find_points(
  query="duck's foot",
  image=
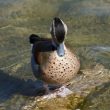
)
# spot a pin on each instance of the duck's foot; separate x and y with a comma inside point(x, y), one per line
point(60, 92)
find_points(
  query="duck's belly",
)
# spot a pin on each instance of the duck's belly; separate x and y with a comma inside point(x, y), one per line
point(59, 70)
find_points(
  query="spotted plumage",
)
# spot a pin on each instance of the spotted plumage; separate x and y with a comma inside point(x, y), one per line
point(51, 60)
point(59, 70)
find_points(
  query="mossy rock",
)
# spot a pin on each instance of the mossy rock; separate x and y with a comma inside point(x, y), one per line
point(90, 81)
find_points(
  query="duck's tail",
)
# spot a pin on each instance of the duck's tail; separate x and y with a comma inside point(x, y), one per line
point(35, 38)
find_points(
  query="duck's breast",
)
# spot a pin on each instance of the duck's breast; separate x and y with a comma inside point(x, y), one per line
point(60, 69)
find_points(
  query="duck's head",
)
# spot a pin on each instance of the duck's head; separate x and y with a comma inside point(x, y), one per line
point(58, 32)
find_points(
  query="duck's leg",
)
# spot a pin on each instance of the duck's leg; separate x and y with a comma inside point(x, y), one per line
point(45, 85)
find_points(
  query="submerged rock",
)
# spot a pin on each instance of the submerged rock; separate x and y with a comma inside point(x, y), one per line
point(87, 81)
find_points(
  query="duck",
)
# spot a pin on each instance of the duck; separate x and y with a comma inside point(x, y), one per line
point(51, 61)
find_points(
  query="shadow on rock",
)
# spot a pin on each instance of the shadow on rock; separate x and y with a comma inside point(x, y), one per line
point(10, 85)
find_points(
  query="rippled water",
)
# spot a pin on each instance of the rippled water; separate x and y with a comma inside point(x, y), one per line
point(88, 35)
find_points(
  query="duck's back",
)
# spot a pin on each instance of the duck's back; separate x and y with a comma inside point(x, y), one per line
point(60, 70)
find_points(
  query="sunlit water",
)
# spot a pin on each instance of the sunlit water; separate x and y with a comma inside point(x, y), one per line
point(88, 36)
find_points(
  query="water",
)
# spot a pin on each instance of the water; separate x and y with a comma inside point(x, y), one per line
point(88, 36)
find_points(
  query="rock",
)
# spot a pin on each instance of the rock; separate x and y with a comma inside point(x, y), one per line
point(82, 85)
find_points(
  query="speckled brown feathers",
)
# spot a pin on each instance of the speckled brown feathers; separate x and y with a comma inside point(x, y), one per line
point(59, 70)
point(56, 63)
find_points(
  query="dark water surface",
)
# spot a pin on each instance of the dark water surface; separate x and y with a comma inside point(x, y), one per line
point(88, 36)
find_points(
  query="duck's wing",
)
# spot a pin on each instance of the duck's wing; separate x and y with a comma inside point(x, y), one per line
point(35, 38)
point(41, 47)
point(41, 44)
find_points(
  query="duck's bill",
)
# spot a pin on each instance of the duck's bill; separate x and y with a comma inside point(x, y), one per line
point(60, 50)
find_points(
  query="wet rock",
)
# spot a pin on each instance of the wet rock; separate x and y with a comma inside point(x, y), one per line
point(82, 86)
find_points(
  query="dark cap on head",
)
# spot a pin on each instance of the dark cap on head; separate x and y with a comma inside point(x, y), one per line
point(58, 30)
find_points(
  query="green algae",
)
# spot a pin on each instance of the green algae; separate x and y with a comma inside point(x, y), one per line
point(67, 103)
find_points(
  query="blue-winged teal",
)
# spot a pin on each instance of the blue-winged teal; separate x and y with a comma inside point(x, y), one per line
point(51, 60)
